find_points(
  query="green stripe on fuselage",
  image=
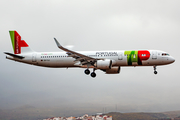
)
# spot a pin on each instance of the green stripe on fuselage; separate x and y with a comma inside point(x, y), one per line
point(12, 38)
point(132, 56)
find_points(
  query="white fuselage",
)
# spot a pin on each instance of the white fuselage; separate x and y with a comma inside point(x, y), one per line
point(119, 58)
point(108, 61)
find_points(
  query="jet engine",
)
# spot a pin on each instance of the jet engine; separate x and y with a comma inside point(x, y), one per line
point(113, 70)
point(104, 64)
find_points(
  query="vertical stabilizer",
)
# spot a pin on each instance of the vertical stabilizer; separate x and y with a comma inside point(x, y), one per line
point(19, 46)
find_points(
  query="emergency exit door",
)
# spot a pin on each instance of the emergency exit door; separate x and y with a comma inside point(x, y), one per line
point(120, 56)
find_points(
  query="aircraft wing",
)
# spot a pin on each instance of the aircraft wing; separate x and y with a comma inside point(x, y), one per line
point(84, 59)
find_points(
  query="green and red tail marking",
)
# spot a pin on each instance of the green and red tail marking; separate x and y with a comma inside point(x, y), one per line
point(17, 43)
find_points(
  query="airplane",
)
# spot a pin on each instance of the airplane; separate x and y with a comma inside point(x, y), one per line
point(109, 62)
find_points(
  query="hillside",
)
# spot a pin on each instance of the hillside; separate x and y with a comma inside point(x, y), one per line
point(136, 116)
point(172, 114)
point(32, 113)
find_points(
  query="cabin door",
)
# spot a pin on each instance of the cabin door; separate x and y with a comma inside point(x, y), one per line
point(34, 57)
point(154, 54)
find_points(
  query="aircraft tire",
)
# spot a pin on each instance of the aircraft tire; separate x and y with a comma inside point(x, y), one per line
point(87, 72)
point(155, 72)
point(93, 74)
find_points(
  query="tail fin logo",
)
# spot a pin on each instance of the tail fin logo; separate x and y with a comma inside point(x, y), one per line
point(17, 43)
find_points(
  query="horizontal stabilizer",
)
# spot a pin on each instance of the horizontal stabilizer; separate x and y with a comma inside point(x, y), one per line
point(14, 55)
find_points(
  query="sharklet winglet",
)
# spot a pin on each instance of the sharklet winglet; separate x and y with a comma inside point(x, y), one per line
point(57, 43)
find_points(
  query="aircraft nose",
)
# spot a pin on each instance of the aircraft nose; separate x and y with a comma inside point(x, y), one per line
point(172, 60)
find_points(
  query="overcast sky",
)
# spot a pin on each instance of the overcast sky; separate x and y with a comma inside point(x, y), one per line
point(91, 25)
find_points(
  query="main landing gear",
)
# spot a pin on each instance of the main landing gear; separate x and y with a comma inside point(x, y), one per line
point(87, 72)
point(155, 72)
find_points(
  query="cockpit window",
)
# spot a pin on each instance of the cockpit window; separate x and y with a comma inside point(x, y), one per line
point(165, 54)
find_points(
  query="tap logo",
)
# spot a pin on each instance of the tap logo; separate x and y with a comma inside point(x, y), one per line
point(137, 56)
point(17, 43)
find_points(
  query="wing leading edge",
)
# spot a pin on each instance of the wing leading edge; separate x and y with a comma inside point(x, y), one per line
point(84, 59)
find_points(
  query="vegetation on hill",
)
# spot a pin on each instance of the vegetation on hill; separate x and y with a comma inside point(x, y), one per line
point(172, 114)
point(136, 116)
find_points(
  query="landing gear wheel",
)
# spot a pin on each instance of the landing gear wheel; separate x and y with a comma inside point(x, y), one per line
point(155, 72)
point(93, 74)
point(87, 72)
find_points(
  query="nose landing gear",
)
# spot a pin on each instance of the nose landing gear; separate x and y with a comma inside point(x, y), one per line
point(155, 72)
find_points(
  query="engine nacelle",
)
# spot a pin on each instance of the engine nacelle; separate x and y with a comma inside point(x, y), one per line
point(113, 70)
point(104, 64)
